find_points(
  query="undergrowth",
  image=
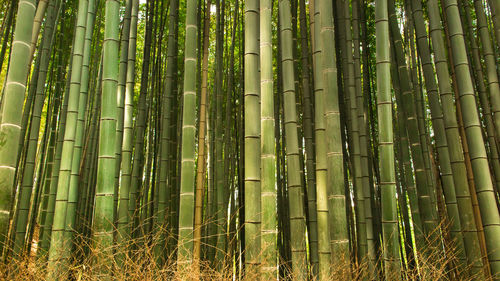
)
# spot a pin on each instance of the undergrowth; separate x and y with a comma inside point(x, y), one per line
point(136, 261)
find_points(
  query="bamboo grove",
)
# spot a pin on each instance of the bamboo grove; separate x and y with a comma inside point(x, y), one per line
point(256, 139)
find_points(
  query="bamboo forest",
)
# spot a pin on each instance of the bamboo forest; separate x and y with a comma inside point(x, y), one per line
point(250, 140)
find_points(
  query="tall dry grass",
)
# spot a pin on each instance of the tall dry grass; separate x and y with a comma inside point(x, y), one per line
point(140, 264)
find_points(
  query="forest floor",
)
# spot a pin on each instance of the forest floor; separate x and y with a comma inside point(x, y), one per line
point(142, 266)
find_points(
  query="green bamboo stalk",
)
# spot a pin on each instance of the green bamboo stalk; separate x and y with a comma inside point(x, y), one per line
point(12, 101)
point(49, 164)
point(123, 218)
point(312, 221)
point(171, 92)
point(252, 147)
point(40, 174)
point(490, 63)
point(339, 241)
point(363, 142)
point(385, 144)
point(268, 157)
point(424, 192)
point(187, 180)
point(220, 191)
point(482, 176)
point(32, 145)
point(355, 149)
point(371, 138)
point(37, 25)
point(481, 89)
point(165, 185)
point(495, 14)
point(140, 127)
point(283, 222)
point(105, 187)
point(74, 183)
point(322, 190)
point(94, 132)
point(25, 121)
point(229, 150)
point(122, 81)
point(457, 151)
point(448, 161)
point(58, 252)
point(7, 24)
point(407, 177)
point(49, 218)
point(201, 167)
point(211, 203)
point(416, 81)
point(295, 188)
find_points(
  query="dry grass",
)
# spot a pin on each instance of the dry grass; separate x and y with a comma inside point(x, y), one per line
point(140, 264)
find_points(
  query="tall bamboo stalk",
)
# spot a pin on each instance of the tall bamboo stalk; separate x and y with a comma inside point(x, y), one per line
point(482, 176)
point(252, 138)
point(29, 166)
point(12, 101)
point(124, 220)
point(103, 224)
point(268, 157)
point(187, 180)
point(385, 138)
point(309, 140)
point(200, 168)
point(58, 253)
point(322, 190)
point(295, 188)
point(447, 156)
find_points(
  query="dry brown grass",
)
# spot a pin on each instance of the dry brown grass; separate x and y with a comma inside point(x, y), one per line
point(140, 264)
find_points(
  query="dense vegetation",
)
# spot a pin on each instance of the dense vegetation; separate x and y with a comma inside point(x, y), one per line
point(256, 139)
